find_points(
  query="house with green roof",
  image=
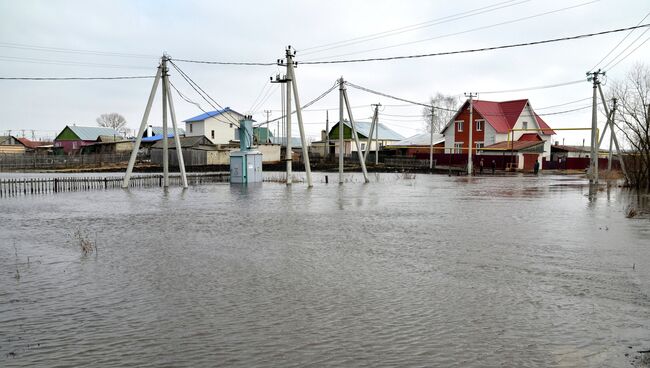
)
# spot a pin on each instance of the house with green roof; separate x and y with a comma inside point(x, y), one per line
point(73, 137)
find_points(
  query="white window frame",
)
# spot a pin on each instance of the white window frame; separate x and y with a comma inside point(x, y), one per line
point(459, 125)
point(458, 147)
point(478, 146)
point(479, 125)
point(524, 125)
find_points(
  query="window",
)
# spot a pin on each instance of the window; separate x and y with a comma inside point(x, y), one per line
point(231, 125)
point(459, 126)
point(363, 146)
point(458, 147)
point(524, 125)
point(479, 125)
point(190, 127)
point(212, 134)
point(479, 145)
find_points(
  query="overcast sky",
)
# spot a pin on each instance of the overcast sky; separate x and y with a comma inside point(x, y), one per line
point(39, 39)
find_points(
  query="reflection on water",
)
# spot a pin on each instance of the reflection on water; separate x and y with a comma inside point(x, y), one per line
point(435, 271)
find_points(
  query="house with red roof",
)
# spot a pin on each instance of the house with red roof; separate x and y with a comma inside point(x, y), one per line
point(501, 128)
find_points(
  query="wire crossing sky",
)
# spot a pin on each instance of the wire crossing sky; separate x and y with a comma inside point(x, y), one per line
point(69, 61)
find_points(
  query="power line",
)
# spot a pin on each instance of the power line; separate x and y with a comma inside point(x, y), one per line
point(16, 59)
point(537, 87)
point(322, 95)
point(413, 27)
point(630, 53)
point(74, 78)
point(416, 56)
point(563, 104)
point(618, 44)
point(393, 97)
point(203, 94)
point(225, 62)
point(625, 49)
point(22, 46)
point(467, 31)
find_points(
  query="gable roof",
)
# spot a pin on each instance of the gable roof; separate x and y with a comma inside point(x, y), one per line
point(158, 130)
point(89, 133)
point(31, 144)
point(363, 128)
point(422, 139)
point(502, 116)
point(192, 141)
point(211, 114)
point(513, 146)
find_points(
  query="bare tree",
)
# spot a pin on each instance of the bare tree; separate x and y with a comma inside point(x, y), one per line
point(633, 119)
point(445, 108)
point(112, 120)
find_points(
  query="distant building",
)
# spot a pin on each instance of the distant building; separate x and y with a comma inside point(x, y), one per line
point(418, 144)
point(493, 123)
point(12, 145)
point(152, 131)
point(219, 126)
point(73, 137)
point(385, 136)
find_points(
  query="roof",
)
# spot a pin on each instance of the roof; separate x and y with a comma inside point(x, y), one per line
point(571, 148)
point(158, 130)
point(211, 114)
point(423, 139)
point(158, 137)
point(530, 137)
point(503, 116)
point(513, 146)
point(90, 133)
point(31, 144)
point(384, 134)
point(8, 140)
point(192, 141)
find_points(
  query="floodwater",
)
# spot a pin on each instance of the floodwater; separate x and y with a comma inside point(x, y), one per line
point(432, 271)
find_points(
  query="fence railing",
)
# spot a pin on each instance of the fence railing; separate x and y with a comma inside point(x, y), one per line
point(30, 186)
point(18, 162)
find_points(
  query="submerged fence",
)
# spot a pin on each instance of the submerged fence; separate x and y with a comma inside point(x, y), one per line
point(30, 161)
point(29, 186)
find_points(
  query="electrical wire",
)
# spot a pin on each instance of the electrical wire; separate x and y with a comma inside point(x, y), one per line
point(254, 104)
point(618, 44)
point(630, 53)
point(225, 62)
point(413, 27)
point(75, 78)
point(625, 49)
point(203, 94)
point(564, 104)
point(15, 59)
point(465, 31)
point(467, 51)
point(534, 88)
point(22, 46)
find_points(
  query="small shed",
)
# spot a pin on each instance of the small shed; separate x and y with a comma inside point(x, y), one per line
point(11, 145)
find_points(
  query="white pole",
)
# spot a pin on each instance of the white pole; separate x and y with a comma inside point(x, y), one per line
point(177, 139)
point(431, 142)
point(613, 132)
point(327, 134)
point(288, 155)
point(377, 141)
point(143, 125)
point(470, 164)
point(372, 131)
point(164, 121)
point(305, 149)
point(356, 137)
point(341, 130)
point(594, 136)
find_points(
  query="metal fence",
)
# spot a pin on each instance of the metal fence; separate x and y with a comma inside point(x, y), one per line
point(29, 186)
point(17, 162)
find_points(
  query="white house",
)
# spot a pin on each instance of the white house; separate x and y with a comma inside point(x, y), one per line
point(219, 126)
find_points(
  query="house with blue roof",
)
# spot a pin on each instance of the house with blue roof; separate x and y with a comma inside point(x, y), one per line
point(385, 137)
point(73, 137)
point(219, 126)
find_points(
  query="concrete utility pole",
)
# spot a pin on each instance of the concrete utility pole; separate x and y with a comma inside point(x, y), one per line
point(341, 129)
point(355, 136)
point(162, 73)
point(431, 142)
point(327, 133)
point(268, 128)
point(373, 126)
point(377, 140)
point(470, 164)
point(593, 159)
point(610, 123)
point(291, 76)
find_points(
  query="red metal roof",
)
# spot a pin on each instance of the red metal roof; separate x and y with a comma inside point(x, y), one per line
point(502, 116)
point(530, 137)
point(32, 144)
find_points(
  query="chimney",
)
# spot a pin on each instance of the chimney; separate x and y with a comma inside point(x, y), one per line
point(323, 135)
point(149, 131)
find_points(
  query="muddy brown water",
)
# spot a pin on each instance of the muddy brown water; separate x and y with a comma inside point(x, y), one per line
point(433, 271)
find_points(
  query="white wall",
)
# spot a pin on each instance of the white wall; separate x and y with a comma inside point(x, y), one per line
point(223, 126)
